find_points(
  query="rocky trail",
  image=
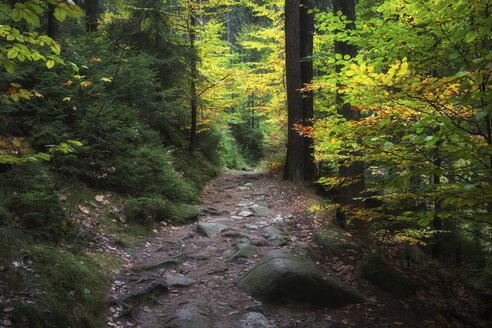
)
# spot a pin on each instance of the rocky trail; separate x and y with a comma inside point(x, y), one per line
point(249, 261)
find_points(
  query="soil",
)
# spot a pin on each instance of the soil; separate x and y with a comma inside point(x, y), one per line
point(181, 251)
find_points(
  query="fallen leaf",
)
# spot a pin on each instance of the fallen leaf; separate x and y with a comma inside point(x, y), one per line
point(8, 309)
point(122, 217)
point(84, 209)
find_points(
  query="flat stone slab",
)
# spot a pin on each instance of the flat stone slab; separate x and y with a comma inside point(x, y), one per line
point(176, 281)
point(199, 256)
point(245, 213)
point(210, 229)
point(260, 210)
point(280, 276)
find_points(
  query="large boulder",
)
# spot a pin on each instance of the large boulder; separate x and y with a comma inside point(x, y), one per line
point(210, 229)
point(378, 273)
point(189, 316)
point(334, 240)
point(281, 276)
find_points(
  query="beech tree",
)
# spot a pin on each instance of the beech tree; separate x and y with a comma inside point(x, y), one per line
point(299, 29)
point(351, 170)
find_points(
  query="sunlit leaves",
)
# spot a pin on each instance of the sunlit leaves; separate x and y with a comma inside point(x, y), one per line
point(423, 105)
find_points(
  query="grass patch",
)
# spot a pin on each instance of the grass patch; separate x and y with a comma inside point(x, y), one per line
point(50, 287)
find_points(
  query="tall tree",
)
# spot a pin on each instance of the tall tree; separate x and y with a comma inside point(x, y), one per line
point(193, 75)
point(352, 171)
point(299, 29)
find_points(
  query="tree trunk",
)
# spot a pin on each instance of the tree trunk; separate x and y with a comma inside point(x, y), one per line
point(52, 23)
point(91, 8)
point(299, 29)
point(193, 77)
point(355, 170)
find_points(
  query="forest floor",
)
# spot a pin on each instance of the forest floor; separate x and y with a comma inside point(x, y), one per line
point(179, 266)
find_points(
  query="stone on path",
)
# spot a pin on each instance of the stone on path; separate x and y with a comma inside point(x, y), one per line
point(199, 256)
point(274, 237)
point(255, 320)
point(210, 229)
point(177, 281)
point(334, 240)
point(203, 242)
point(209, 210)
point(245, 213)
point(260, 210)
point(189, 316)
point(250, 186)
point(281, 276)
point(378, 273)
point(244, 251)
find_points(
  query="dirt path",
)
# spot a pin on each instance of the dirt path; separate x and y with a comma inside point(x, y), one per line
point(180, 266)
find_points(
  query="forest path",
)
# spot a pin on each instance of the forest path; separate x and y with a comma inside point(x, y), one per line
point(181, 266)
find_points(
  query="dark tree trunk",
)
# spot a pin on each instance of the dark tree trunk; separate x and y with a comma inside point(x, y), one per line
point(193, 77)
point(299, 29)
point(92, 10)
point(52, 23)
point(355, 170)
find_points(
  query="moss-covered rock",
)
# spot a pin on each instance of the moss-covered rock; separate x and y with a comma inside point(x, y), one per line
point(281, 276)
point(334, 240)
point(378, 273)
point(182, 213)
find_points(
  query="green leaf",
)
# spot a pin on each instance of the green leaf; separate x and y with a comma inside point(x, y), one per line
point(481, 115)
point(12, 53)
point(9, 66)
point(461, 74)
point(60, 14)
point(388, 145)
point(384, 121)
point(50, 63)
point(44, 156)
point(76, 143)
point(16, 14)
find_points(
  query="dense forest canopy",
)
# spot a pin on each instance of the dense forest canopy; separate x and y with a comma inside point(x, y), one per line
point(383, 105)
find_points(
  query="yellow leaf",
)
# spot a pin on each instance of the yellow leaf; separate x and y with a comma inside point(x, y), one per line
point(67, 99)
point(15, 85)
point(50, 63)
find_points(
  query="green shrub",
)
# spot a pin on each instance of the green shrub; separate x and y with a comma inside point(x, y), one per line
point(145, 210)
point(148, 170)
point(29, 201)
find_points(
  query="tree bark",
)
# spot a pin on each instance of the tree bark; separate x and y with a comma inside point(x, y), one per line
point(193, 77)
point(299, 29)
point(52, 23)
point(355, 170)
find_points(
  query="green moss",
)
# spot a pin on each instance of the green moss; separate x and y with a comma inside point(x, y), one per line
point(64, 289)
